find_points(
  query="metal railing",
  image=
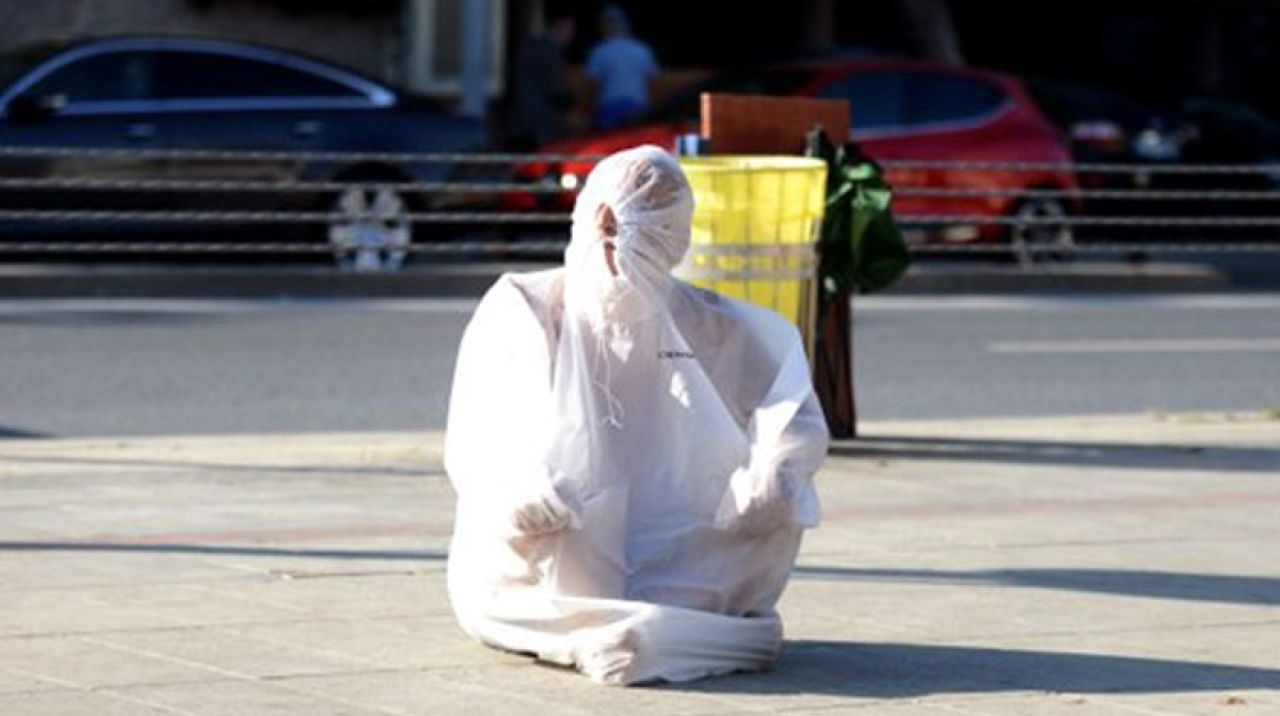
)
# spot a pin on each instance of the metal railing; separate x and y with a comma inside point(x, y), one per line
point(1245, 209)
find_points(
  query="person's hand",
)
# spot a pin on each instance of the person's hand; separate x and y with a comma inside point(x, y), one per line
point(529, 523)
point(753, 505)
point(541, 513)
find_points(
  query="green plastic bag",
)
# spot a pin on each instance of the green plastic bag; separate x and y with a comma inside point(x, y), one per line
point(861, 246)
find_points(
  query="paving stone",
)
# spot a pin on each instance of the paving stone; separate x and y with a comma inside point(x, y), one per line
point(1057, 566)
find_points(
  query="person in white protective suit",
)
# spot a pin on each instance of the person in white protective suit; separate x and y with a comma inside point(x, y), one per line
point(633, 457)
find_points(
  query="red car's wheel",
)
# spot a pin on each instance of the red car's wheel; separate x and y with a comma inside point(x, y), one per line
point(1040, 231)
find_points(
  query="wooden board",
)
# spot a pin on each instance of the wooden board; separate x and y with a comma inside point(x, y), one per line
point(755, 124)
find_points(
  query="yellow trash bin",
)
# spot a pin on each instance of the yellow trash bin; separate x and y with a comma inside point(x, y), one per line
point(755, 229)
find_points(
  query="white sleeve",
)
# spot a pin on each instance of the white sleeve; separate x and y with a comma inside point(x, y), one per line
point(789, 439)
point(499, 419)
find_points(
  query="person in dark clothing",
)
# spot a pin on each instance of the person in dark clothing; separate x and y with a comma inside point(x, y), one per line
point(540, 86)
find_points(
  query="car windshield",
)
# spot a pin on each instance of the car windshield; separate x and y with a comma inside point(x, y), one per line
point(1065, 103)
point(1241, 122)
point(1231, 111)
point(684, 104)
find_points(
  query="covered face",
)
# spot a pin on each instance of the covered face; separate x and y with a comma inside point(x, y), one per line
point(631, 226)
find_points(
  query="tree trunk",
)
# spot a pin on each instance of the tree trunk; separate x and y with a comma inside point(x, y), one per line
point(934, 30)
point(1207, 67)
point(819, 35)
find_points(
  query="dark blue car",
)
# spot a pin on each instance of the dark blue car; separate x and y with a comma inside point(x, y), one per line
point(165, 93)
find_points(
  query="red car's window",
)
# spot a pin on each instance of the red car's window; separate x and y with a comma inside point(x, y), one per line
point(934, 97)
point(908, 99)
point(877, 99)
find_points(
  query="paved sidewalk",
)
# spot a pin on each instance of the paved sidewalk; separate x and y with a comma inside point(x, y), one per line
point(1080, 566)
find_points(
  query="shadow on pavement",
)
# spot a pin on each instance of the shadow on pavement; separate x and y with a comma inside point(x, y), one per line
point(18, 433)
point(1037, 452)
point(255, 469)
point(107, 318)
point(1263, 591)
point(912, 670)
point(1160, 585)
point(409, 555)
point(886, 670)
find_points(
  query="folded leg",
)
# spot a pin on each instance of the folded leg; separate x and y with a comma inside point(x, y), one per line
point(661, 643)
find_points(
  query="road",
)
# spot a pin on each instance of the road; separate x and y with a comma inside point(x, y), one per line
point(129, 367)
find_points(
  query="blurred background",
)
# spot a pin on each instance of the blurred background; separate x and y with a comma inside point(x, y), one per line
point(1074, 151)
point(1033, 126)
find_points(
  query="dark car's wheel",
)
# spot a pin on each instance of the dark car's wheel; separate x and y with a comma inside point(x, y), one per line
point(371, 230)
point(1039, 231)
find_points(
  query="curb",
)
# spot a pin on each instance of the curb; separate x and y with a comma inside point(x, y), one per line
point(471, 280)
point(138, 281)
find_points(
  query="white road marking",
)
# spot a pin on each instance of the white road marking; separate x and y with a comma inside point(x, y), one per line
point(27, 307)
point(1140, 345)
point(1206, 302)
point(421, 305)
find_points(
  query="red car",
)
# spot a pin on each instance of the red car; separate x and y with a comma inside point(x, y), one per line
point(900, 110)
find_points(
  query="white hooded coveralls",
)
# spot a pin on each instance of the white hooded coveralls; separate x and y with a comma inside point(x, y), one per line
point(633, 456)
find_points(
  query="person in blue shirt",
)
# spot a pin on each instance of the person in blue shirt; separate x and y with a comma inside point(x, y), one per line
point(621, 67)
